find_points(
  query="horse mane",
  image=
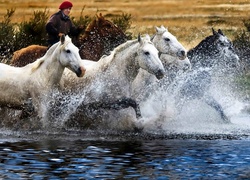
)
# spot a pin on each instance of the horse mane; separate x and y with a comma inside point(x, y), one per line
point(99, 20)
point(202, 47)
point(36, 64)
point(40, 61)
point(207, 41)
point(93, 24)
point(123, 46)
point(118, 49)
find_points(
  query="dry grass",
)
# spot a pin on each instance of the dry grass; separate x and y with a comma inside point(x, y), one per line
point(190, 20)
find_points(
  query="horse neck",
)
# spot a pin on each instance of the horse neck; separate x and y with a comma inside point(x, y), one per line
point(90, 46)
point(155, 39)
point(125, 59)
point(53, 68)
point(204, 51)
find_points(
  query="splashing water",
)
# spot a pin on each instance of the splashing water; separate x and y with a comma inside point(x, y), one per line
point(197, 117)
point(160, 111)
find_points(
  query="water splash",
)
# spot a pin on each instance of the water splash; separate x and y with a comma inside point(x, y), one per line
point(196, 117)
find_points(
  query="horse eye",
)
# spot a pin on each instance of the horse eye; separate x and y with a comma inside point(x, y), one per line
point(222, 44)
point(67, 51)
point(146, 53)
point(167, 39)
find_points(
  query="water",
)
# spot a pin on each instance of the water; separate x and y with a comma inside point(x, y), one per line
point(127, 158)
point(194, 144)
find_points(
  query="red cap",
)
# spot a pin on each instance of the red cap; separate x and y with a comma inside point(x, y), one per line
point(65, 5)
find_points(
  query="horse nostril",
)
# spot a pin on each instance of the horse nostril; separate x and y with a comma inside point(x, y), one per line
point(80, 72)
point(160, 74)
point(183, 53)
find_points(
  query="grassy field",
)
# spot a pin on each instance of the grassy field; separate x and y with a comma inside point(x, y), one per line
point(189, 20)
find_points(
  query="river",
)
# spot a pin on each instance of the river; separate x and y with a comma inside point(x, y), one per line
point(187, 150)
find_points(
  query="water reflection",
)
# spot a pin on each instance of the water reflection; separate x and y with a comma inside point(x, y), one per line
point(101, 159)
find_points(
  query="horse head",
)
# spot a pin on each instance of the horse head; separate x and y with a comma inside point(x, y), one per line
point(167, 43)
point(226, 49)
point(148, 59)
point(215, 50)
point(69, 56)
point(110, 34)
point(108, 29)
point(101, 34)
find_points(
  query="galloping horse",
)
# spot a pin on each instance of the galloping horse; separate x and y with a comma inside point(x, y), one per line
point(111, 77)
point(170, 49)
point(212, 57)
point(215, 51)
point(23, 86)
point(99, 38)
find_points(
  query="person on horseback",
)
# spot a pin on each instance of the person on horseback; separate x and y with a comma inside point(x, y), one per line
point(60, 24)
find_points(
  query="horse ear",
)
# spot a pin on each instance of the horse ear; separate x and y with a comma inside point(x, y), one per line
point(214, 32)
point(139, 38)
point(162, 27)
point(157, 29)
point(220, 32)
point(97, 20)
point(62, 39)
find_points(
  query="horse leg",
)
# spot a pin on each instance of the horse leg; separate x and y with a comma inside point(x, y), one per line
point(214, 104)
point(125, 103)
point(117, 105)
point(28, 109)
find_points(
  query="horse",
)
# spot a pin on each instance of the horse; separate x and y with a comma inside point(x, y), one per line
point(99, 38)
point(21, 87)
point(213, 58)
point(214, 52)
point(172, 54)
point(110, 79)
point(27, 55)
point(167, 43)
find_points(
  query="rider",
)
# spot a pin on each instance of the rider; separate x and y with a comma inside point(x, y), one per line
point(60, 24)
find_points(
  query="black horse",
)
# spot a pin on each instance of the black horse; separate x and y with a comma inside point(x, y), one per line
point(213, 57)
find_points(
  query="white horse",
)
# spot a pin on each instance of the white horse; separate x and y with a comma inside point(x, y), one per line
point(149, 92)
point(167, 43)
point(110, 78)
point(29, 85)
point(173, 56)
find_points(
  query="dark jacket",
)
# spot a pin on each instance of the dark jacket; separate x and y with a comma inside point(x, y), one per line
point(60, 23)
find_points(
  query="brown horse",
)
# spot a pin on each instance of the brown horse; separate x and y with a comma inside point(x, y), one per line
point(100, 37)
point(27, 55)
